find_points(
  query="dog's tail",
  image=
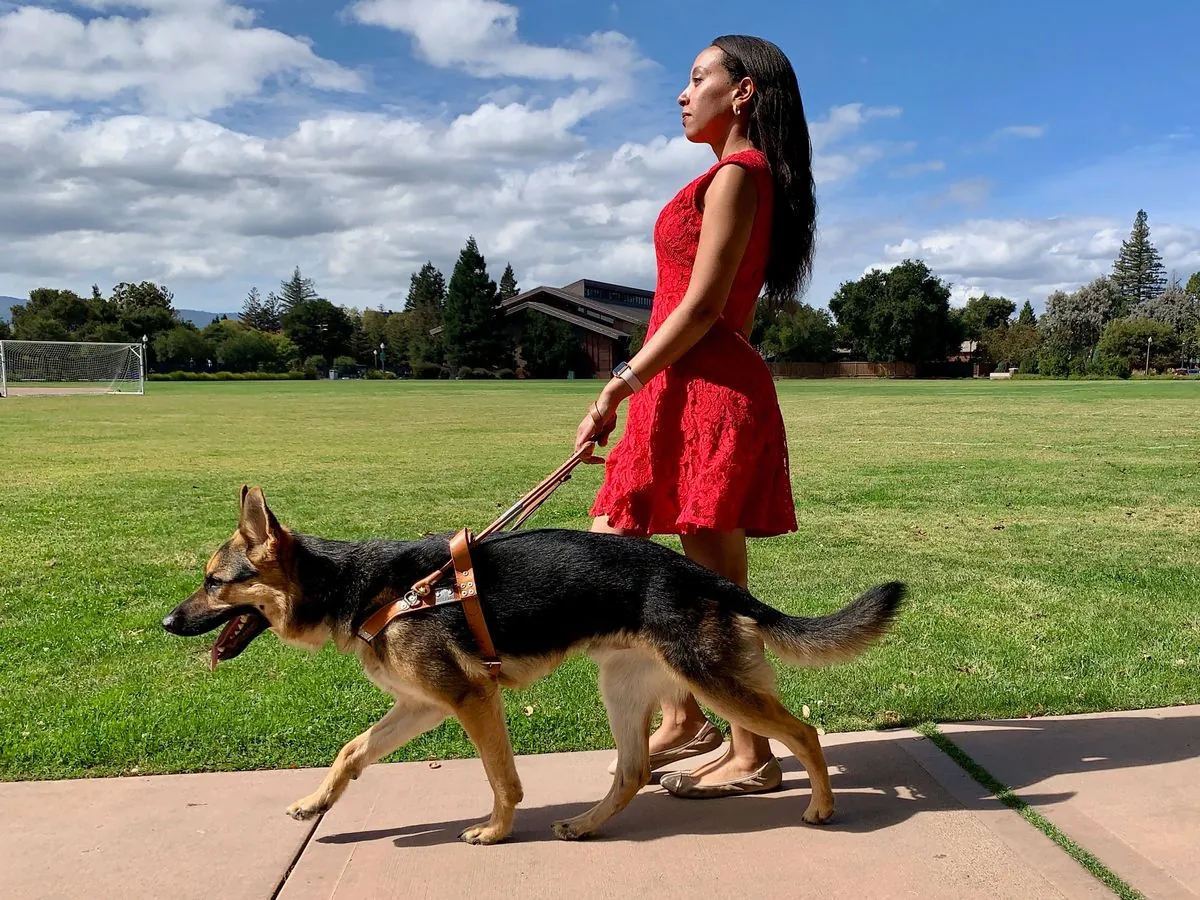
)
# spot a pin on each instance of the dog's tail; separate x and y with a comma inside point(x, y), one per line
point(834, 638)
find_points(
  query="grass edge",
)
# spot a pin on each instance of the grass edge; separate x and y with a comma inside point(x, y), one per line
point(1005, 795)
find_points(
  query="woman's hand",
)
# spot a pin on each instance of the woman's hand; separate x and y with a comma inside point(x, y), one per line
point(601, 419)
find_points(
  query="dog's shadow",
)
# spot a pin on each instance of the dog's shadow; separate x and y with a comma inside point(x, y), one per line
point(875, 788)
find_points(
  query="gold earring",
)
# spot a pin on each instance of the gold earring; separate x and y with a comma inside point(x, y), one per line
point(736, 111)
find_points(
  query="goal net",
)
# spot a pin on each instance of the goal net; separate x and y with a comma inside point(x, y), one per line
point(70, 367)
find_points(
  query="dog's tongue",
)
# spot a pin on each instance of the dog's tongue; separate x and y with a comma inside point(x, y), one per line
point(215, 655)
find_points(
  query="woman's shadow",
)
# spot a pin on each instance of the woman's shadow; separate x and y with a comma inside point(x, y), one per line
point(877, 783)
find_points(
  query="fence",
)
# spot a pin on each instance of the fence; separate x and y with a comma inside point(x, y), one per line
point(877, 370)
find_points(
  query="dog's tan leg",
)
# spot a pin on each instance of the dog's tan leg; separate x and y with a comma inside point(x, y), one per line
point(749, 699)
point(631, 683)
point(404, 721)
point(482, 718)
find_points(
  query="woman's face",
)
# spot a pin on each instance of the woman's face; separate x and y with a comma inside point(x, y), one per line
point(708, 100)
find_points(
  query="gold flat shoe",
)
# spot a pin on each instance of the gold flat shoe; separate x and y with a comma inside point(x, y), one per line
point(767, 778)
point(709, 737)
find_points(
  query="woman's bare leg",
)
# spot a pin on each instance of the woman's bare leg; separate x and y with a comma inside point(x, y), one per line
point(681, 721)
point(724, 552)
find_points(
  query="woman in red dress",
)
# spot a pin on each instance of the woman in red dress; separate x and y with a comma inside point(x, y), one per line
point(704, 454)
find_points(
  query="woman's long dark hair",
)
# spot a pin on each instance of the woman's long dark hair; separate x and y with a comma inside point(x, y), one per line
point(778, 128)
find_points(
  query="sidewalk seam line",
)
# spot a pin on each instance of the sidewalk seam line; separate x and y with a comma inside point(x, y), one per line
point(1009, 798)
point(296, 858)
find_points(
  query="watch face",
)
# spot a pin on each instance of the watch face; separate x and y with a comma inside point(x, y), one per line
point(620, 367)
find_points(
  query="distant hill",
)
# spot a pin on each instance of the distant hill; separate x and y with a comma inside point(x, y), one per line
point(198, 317)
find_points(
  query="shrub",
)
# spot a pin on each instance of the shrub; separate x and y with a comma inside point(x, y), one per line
point(426, 370)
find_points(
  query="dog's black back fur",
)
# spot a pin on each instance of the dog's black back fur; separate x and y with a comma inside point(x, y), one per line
point(543, 590)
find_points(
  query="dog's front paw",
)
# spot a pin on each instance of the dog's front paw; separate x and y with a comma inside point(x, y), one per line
point(816, 814)
point(308, 808)
point(567, 830)
point(483, 833)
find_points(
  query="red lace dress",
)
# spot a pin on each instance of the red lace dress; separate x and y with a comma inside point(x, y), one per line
point(704, 443)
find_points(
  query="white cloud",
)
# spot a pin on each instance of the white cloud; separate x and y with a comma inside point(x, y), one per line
point(1022, 131)
point(183, 58)
point(361, 199)
point(1030, 258)
point(480, 36)
point(918, 168)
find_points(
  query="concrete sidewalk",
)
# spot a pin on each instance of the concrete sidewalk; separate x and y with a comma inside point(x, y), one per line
point(909, 823)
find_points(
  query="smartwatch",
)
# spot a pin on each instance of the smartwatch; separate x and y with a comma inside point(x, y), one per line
point(626, 374)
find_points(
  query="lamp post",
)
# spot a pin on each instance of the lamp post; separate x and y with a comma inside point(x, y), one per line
point(382, 354)
point(1149, 341)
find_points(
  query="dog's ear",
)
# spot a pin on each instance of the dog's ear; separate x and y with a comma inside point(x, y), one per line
point(258, 524)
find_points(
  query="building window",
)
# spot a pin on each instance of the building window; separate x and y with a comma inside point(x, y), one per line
point(621, 298)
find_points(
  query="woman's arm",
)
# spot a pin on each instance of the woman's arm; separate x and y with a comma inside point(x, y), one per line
point(729, 205)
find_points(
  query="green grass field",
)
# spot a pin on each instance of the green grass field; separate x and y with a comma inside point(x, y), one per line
point(1047, 530)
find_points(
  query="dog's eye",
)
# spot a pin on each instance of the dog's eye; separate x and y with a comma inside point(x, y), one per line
point(211, 583)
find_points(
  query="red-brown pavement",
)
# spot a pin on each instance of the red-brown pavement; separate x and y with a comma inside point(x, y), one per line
point(909, 823)
point(1124, 785)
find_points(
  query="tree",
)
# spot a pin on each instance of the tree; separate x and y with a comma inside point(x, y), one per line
point(1193, 285)
point(1027, 316)
point(49, 315)
point(144, 296)
point(423, 311)
point(804, 334)
point(984, 313)
point(254, 313)
point(318, 328)
point(1174, 306)
point(5, 331)
point(250, 351)
point(902, 315)
point(295, 290)
point(1138, 270)
point(508, 283)
point(1013, 345)
point(183, 347)
point(144, 309)
point(1073, 323)
point(1127, 340)
point(549, 347)
point(473, 324)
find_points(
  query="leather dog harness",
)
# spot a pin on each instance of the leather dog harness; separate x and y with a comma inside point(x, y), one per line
point(422, 595)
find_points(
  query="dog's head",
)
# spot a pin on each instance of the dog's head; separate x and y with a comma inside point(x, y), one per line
point(248, 587)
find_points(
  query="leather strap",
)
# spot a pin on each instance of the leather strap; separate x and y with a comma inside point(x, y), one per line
point(468, 595)
point(421, 596)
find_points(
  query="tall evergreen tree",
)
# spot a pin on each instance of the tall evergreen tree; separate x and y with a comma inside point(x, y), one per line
point(271, 313)
point(251, 314)
point(426, 289)
point(1027, 316)
point(1193, 285)
point(508, 283)
point(473, 323)
point(296, 289)
point(423, 312)
point(1138, 271)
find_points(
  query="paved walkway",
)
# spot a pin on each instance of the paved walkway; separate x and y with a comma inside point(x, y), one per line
point(910, 823)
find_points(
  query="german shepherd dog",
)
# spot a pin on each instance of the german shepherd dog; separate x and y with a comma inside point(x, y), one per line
point(656, 623)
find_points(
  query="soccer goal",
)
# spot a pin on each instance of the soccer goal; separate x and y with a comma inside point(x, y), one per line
point(71, 367)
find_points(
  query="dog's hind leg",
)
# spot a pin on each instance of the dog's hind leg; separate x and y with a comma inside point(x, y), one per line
point(631, 684)
point(745, 693)
point(482, 718)
point(404, 721)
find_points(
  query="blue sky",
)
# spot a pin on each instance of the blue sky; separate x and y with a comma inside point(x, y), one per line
point(213, 146)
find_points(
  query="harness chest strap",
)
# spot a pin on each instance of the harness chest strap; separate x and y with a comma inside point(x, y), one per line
point(422, 596)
